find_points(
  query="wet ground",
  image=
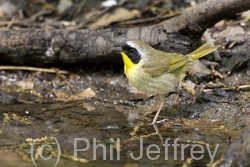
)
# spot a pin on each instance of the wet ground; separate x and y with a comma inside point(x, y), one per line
point(82, 118)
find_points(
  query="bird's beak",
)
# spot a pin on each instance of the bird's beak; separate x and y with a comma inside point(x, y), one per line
point(117, 49)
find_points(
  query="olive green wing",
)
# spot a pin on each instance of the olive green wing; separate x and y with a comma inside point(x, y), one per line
point(163, 63)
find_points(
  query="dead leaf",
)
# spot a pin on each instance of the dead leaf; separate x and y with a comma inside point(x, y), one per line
point(64, 5)
point(119, 14)
point(61, 96)
point(88, 106)
point(230, 32)
point(25, 85)
point(199, 70)
point(87, 93)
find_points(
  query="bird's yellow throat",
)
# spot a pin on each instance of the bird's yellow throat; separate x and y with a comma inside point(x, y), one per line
point(128, 64)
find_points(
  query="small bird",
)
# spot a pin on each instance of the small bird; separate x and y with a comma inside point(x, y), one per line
point(156, 72)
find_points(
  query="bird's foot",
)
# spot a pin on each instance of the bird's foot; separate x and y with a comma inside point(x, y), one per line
point(158, 122)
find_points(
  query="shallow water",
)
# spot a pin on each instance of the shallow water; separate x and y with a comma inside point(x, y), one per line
point(95, 135)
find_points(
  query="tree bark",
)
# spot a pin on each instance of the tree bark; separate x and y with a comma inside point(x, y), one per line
point(47, 47)
point(194, 22)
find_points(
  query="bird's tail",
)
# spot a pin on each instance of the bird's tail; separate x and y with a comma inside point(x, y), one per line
point(202, 51)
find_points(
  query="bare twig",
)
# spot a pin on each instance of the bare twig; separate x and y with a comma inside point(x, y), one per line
point(11, 22)
point(52, 70)
point(41, 13)
point(78, 10)
point(216, 73)
point(242, 87)
point(161, 16)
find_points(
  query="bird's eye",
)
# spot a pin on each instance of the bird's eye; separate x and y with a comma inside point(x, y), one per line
point(132, 50)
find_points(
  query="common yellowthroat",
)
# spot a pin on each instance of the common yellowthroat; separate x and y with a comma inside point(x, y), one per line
point(156, 72)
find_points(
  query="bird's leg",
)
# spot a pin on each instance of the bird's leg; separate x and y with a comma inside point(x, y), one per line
point(162, 100)
point(158, 132)
point(156, 102)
